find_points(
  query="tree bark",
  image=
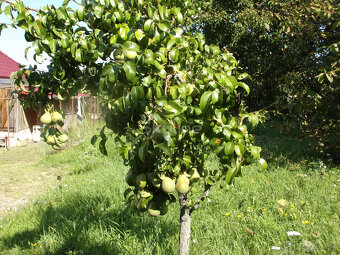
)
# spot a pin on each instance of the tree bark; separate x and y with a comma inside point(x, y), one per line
point(185, 229)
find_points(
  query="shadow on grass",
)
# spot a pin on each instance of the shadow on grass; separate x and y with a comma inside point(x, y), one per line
point(283, 143)
point(91, 225)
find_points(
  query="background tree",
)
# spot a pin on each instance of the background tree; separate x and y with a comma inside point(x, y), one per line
point(290, 48)
point(171, 97)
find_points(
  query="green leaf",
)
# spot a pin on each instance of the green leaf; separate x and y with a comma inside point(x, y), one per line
point(239, 149)
point(230, 175)
point(148, 25)
point(245, 86)
point(142, 151)
point(130, 70)
point(94, 139)
point(131, 46)
point(243, 76)
point(165, 148)
point(179, 18)
point(80, 13)
point(102, 147)
point(162, 73)
point(174, 54)
point(8, 12)
point(134, 94)
point(174, 92)
point(229, 148)
point(164, 26)
point(139, 34)
point(53, 45)
point(205, 100)
point(214, 97)
point(159, 118)
point(79, 55)
point(255, 151)
point(171, 43)
point(162, 11)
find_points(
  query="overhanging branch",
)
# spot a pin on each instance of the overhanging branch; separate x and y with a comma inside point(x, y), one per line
point(201, 199)
point(28, 8)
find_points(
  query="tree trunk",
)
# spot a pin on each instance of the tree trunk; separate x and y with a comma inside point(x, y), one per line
point(185, 220)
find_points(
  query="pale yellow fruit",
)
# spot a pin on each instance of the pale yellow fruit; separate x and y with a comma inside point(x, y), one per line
point(194, 175)
point(156, 182)
point(182, 184)
point(63, 138)
point(56, 117)
point(168, 185)
point(118, 54)
point(56, 147)
point(154, 209)
point(145, 193)
point(46, 118)
point(141, 180)
point(130, 54)
point(50, 140)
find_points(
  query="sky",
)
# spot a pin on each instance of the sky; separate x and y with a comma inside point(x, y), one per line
point(12, 41)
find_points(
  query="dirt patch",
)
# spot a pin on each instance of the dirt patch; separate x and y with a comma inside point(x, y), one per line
point(22, 178)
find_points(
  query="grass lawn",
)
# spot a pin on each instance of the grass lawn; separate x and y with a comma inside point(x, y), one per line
point(86, 214)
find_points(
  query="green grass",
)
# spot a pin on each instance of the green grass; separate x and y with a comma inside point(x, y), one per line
point(86, 212)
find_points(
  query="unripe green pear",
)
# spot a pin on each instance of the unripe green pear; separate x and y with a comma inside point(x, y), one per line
point(50, 140)
point(145, 193)
point(118, 54)
point(141, 180)
point(46, 118)
point(56, 117)
point(156, 182)
point(130, 54)
point(194, 175)
point(154, 209)
point(168, 185)
point(63, 138)
point(56, 147)
point(182, 184)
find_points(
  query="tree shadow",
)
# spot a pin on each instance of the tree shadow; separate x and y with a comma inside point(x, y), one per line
point(283, 143)
point(92, 225)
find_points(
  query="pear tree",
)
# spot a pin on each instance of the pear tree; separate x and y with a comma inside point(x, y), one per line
point(172, 99)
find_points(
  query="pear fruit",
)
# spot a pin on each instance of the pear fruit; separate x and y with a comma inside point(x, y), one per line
point(194, 175)
point(118, 54)
point(156, 182)
point(50, 140)
point(168, 185)
point(154, 209)
point(130, 54)
point(46, 118)
point(56, 147)
point(63, 138)
point(182, 184)
point(145, 193)
point(56, 117)
point(141, 180)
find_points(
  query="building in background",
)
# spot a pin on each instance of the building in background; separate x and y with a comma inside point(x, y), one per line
point(17, 124)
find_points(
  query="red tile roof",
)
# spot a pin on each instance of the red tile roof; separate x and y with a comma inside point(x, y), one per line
point(7, 66)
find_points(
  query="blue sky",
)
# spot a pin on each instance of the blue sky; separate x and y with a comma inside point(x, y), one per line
point(12, 41)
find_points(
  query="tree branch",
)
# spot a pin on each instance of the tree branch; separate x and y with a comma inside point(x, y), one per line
point(77, 2)
point(202, 198)
point(166, 83)
point(28, 8)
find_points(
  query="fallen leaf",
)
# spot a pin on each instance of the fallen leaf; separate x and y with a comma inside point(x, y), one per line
point(250, 231)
